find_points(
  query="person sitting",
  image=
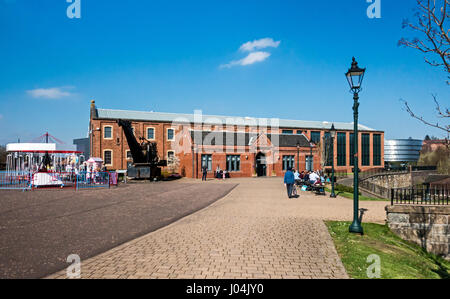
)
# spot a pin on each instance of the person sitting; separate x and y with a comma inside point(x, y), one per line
point(313, 177)
point(302, 175)
point(318, 182)
point(306, 177)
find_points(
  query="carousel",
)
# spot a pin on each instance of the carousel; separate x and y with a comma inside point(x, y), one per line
point(47, 163)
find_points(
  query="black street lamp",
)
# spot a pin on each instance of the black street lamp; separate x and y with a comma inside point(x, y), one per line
point(332, 134)
point(355, 76)
point(298, 159)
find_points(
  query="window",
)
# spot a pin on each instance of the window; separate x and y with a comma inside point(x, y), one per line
point(365, 149)
point(129, 156)
point(288, 132)
point(107, 157)
point(288, 162)
point(150, 133)
point(170, 134)
point(315, 137)
point(341, 149)
point(107, 132)
point(207, 161)
point(233, 163)
point(352, 149)
point(376, 149)
point(329, 149)
point(170, 154)
point(299, 132)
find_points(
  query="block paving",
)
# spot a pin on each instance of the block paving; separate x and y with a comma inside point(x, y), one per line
point(254, 232)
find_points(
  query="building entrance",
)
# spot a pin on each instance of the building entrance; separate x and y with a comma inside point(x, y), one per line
point(261, 166)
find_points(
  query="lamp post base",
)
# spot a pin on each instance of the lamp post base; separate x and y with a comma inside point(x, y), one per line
point(333, 195)
point(356, 228)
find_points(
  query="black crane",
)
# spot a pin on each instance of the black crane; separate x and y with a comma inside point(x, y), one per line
point(146, 163)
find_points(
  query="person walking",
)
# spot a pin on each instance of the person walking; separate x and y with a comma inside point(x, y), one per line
point(289, 182)
point(204, 172)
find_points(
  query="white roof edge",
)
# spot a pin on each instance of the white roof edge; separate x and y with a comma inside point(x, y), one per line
point(283, 123)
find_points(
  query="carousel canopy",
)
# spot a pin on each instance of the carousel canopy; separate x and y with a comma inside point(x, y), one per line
point(40, 148)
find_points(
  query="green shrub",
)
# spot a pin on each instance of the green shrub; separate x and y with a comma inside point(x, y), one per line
point(343, 188)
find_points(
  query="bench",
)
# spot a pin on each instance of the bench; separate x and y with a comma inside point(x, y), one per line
point(319, 190)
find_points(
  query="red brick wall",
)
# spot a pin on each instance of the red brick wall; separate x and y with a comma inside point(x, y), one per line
point(118, 145)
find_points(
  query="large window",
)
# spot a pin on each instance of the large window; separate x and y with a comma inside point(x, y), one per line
point(328, 146)
point(352, 149)
point(150, 133)
point(315, 137)
point(107, 157)
point(288, 162)
point(290, 132)
point(233, 163)
point(365, 149)
point(107, 132)
point(376, 149)
point(341, 149)
point(207, 161)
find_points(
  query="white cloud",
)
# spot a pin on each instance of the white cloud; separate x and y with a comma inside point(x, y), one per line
point(251, 58)
point(49, 93)
point(259, 44)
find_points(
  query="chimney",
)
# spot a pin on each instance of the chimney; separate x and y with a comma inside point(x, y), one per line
point(93, 110)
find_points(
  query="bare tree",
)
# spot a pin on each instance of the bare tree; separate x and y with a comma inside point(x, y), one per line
point(326, 152)
point(432, 24)
point(440, 114)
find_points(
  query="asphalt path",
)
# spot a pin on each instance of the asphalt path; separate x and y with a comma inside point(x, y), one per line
point(40, 229)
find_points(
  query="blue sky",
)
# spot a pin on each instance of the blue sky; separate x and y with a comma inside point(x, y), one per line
point(177, 56)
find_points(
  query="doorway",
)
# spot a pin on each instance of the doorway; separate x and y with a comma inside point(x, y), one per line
point(261, 166)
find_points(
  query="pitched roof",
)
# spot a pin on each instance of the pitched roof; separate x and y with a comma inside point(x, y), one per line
point(223, 120)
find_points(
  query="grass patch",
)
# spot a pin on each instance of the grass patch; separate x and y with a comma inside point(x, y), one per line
point(350, 196)
point(399, 259)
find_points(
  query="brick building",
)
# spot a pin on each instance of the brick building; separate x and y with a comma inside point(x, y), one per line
point(244, 146)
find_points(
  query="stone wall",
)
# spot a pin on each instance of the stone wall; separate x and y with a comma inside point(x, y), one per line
point(391, 180)
point(427, 226)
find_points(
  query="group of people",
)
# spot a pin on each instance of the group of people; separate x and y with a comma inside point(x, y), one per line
point(218, 174)
point(292, 177)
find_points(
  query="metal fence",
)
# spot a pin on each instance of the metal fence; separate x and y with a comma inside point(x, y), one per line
point(26, 180)
point(93, 180)
point(375, 189)
point(421, 196)
point(18, 180)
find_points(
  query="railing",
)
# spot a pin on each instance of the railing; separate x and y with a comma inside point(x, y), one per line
point(375, 189)
point(93, 180)
point(25, 180)
point(421, 196)
point(18, 180)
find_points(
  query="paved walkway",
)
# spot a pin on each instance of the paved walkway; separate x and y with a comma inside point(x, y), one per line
point(253, 232)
